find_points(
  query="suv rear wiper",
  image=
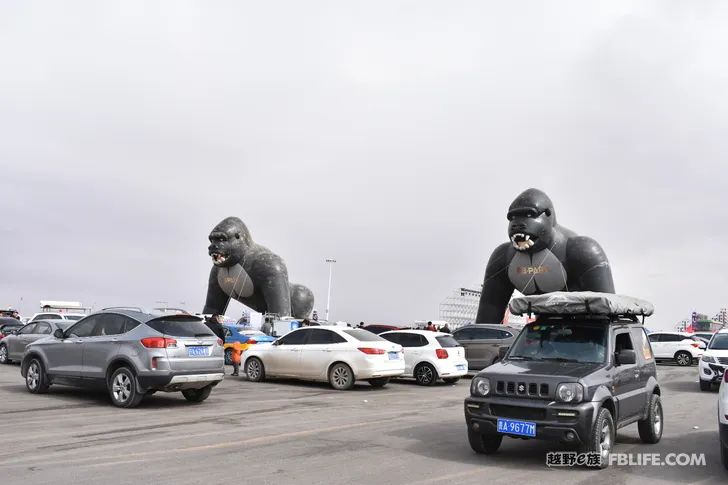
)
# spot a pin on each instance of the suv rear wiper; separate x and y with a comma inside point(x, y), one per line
point(203, 335)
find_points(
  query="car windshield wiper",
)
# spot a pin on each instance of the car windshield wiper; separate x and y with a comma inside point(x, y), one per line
point(560, 359)
point(520, 357)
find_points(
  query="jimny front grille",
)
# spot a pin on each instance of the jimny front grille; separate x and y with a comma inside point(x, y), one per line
point(522, 389)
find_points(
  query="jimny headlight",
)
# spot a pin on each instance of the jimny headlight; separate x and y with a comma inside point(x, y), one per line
point(570, 392)
point(480, 386)
point(708, 359)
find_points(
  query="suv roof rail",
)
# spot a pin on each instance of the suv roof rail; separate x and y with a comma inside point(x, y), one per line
point(132, 308)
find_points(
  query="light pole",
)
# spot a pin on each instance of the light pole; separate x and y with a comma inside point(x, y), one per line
point(330, 262)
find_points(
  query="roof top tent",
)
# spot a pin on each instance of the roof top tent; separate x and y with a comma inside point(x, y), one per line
point(63, 306)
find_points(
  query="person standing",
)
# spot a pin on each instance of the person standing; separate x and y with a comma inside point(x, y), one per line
point(430, 327)
point(445, 328)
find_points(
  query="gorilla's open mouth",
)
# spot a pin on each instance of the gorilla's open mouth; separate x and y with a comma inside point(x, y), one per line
point(218, 258)
point(522, 242)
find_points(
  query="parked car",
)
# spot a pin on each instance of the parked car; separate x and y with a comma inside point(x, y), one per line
point(129, 353)
point(429, 356)
point(73, 317)
point(677, 346)
point(483, 341)
point(12, 346)
point(714, 362)
point(243, 335)
point(582, 370)
point(377, 329)
point(723, 419)
point(338, 355)
point(8, 325)
point(704, 335)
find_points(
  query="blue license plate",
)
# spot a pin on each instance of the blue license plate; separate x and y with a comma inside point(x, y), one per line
point(197, 351)
point(516, 427)
point(393, 355)
point(460, 367)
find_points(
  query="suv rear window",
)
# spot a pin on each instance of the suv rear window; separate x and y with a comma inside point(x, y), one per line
point(363, 335)
point(177, 327)
point(447, 341)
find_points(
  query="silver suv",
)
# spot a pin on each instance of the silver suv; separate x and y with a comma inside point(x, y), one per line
point(131, 354)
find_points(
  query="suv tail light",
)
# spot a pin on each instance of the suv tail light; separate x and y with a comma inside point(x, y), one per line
point(251, 341)
point(220, 341)
point(371, 351)
point(696, 345)
point(725, 378)
point(441, 353)
point(158, 342)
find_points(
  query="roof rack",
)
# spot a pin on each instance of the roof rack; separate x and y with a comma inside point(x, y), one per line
point(582, 303)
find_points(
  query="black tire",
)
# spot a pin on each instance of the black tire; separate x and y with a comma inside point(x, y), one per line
point(425, 374)
point(341, 377)
point(4, 359)
point(255, 369)
point(451, 380)
point(36, 380)
point(197, 395)
point(484, 444)
point(705, 385)
point(683, 358)
point(380, 382)
point(123, 389)
point(724, 454)
point(228, 356)
point(601, 437)
point(650, 428)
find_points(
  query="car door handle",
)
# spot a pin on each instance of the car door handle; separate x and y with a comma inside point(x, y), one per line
point(327, 350)
point(78, 341)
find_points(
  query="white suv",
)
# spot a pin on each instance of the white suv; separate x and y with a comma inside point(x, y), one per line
point(677, 346)
point(723, 419)
point(714, 361)
point(429, 356)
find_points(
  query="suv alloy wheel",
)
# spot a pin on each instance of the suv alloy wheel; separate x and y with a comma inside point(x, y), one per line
point(123, 388)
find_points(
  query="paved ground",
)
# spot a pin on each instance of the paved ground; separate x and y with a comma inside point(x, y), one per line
point(290, 432)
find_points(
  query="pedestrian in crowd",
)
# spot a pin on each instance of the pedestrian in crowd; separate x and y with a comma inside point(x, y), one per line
point(215, 324)
point(16, 315)
point(306, 322)
point(445, 328)
point(236, 356)
point(430, 327)
point(361, 325)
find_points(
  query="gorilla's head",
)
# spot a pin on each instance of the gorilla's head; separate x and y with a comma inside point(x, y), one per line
point(532, 220)
point(229, 242)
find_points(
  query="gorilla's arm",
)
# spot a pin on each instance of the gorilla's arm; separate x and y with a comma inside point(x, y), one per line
point(497, 288)
point(271, 278)
point(217, 300)
point(587, 266)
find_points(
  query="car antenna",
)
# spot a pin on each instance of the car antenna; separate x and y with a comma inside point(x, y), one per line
point(529, 310)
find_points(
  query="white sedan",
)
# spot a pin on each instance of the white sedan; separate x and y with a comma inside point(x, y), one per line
point(338, 355)
point(430, 356)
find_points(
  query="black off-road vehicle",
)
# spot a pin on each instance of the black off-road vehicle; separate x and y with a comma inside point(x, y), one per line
point(582, 370)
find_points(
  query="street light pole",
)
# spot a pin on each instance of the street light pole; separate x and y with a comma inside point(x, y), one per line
point(330, 262)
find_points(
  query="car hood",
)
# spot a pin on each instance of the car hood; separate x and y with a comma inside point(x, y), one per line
point(716, 353)
point(541, 368)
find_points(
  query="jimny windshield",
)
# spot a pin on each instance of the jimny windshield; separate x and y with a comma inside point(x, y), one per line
point(563, 341)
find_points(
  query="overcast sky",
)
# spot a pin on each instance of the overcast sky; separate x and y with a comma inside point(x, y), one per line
point(389, 135)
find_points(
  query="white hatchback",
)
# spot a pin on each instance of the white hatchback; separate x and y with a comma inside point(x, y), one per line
point(714, 361)
point(339, 355)
point(429, 356)
point(677, 346)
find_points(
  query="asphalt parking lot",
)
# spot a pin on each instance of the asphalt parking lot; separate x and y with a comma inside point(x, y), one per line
point(284, 432)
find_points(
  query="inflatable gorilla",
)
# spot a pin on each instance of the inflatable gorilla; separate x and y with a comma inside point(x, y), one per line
point(541, 257)
point(252, 274)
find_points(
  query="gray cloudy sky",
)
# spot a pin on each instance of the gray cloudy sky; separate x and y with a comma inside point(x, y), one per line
point(390, 135)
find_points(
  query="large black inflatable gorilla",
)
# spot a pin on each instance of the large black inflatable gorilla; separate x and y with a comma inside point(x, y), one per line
point(541, 257)
point(252, 274)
